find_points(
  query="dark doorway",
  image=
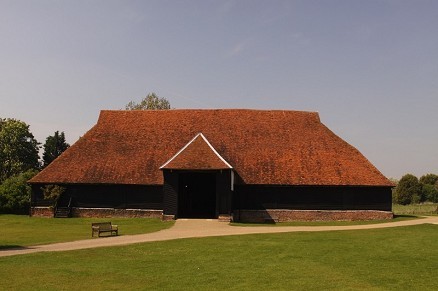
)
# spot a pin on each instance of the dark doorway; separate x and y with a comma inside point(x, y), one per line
point(197, 195)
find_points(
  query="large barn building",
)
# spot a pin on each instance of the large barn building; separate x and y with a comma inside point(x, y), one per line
point(246, 165)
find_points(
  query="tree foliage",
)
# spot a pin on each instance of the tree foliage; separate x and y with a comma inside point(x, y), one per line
point(150, 102)
point(54, 146)
point(15, 193)
point(430, 192)
point(52, 192)
point(430, 179)
point(18, 148)
point(429, 183)
point(408, 190)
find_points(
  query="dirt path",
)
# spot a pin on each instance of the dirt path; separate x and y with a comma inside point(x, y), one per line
point(198, 228)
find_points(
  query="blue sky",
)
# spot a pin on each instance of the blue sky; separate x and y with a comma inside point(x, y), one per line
point(370, 68)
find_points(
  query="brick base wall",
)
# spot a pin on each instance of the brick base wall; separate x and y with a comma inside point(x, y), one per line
point(283, 215)
point(269, 215)
point(225, 218)
point(166, 217)
point(100, 212)
point(112, 212)
point(41, 211)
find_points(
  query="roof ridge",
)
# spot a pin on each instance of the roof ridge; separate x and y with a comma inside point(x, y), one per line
point(211, 109)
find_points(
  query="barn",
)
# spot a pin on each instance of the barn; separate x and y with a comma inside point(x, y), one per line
point(226, 164)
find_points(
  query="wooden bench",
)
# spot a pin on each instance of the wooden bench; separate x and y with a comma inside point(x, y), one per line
point(101, 227)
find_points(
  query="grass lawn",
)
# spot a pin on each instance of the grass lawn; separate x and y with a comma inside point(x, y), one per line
point(22, 230)
point(329, 223)
point(402, 258)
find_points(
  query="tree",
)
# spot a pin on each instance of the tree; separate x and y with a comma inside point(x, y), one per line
point(15, 193)
point(429, 179)
point(430, 192)
point(55, 145)
point(53, 193)
point(429, 183)
point(18, 148)
point(408, 190)
point(151, 101)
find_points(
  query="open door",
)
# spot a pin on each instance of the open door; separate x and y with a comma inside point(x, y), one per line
point(197, 195)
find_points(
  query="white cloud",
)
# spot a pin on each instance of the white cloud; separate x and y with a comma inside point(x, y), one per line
point(237, 49)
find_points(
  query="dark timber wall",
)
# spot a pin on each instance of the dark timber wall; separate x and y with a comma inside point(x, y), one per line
point(223, 192)
point(312, 198)
point(105, 196)
point(170, 195)
point(244, 197)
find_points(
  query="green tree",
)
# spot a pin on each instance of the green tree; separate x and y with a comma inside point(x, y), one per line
point(53, 193)
point(150, 102)
point(55, 145)
point(15, 193)
point(18, 148)
point(429, 183)
point(394, 197)
point(430, 179)
point(430, 192)
point(408, 190)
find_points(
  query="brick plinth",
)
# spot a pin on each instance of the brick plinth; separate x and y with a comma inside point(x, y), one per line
point(166, 217)
point(41, 211)
point(225, 218)
point(112, 212)
point(283, 215)
point(99, 212)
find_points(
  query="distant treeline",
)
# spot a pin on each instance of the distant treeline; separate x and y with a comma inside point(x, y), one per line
point(411, 190)
point(20, 161)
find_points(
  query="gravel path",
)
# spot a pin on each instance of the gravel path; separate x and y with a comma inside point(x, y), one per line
point(198, 228)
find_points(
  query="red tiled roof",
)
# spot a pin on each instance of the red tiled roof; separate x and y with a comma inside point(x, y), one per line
point(198, 154)
point(262, 146)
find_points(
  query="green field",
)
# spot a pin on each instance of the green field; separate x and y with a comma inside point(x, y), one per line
point(402, 258)
point(416, 209)
point(21, 230)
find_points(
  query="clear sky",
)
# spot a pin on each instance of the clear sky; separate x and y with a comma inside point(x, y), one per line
point(370, 68)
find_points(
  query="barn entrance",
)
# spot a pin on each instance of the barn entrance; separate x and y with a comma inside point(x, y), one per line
point(197, 195)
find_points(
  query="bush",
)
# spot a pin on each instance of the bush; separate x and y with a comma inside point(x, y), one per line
point(408, 190)
point(15, 193)
point(430, 193)
point(53, 193)
point(430, 179)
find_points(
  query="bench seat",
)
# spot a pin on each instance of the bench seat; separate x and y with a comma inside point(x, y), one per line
point(104, 227)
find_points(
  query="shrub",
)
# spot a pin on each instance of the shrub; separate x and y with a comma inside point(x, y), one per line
point(15, 193)
point(52, 193)
point(430, 192)
point(408, 190)
point(429, 179)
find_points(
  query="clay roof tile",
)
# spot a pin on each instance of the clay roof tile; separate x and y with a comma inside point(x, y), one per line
point(263, 146)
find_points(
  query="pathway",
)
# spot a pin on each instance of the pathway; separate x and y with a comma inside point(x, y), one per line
point(198, 228)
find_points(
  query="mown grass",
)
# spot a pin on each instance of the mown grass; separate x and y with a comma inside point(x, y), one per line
point(22, 230)
point(416, 209)
point(328, 223)
point(402, 258)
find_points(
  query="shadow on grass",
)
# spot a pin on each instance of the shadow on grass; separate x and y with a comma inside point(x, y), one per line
point(11, 247)
point(407, 216)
